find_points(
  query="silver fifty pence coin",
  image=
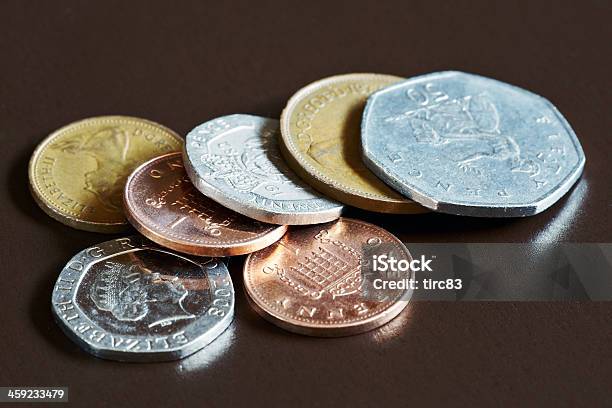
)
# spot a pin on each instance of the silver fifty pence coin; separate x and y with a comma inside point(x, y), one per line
point(236, 161)
point(131, 300)
point(468, 145)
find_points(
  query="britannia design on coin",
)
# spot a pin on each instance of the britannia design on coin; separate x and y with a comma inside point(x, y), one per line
point(235, 160)
point(130, 300)
point(321, 142)
point(470, 145)
point(77, 174)
point(163, 205)
point(319, 280)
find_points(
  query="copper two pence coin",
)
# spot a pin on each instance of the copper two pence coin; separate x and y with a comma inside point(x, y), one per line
point(162, 204)
point(320, 280)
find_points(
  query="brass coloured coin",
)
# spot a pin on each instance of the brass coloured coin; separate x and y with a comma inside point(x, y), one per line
point(77, 173)
point(321, 142)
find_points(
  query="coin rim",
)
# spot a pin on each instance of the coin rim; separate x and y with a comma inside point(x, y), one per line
point(335, 330)
point(68, 219)
point(179, 245)
point(142, 356)
point(257, 213)
point(466, 208)
point(323, 183)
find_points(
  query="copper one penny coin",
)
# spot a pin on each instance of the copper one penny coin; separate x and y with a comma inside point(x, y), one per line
point(162, 204)
point(316, 280)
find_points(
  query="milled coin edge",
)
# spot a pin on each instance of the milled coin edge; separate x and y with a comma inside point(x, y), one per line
point(467, 208)
point(171, 354)
point(69, 219)
point(323, 183)
point(247, 209)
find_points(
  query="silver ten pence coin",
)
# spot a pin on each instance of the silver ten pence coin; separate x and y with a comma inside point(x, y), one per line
point(130, 300)
point(468, 145)
point(235, 160)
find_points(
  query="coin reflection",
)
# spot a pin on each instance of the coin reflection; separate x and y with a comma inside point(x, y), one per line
point(557, 228)
point(395, 328)
point(209, 354)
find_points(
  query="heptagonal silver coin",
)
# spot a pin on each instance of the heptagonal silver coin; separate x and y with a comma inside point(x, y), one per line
point(468, 145)
point(130, 300)
point(235, 160)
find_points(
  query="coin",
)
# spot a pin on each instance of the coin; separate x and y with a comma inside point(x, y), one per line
point(235, 160)
point(321, 142)
point(129, 300)
point(77, 173)
point(316, 280)
point(162, 204)
point(468, 145)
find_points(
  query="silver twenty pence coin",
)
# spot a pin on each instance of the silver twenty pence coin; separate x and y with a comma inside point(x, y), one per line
point(468, 145)
point(235, 160)
point(130, 300)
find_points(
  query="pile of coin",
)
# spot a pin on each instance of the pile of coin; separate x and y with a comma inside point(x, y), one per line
point(241, 184)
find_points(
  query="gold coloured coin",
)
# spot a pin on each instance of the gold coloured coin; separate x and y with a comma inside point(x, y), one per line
point(321, 141)
point(77, 174)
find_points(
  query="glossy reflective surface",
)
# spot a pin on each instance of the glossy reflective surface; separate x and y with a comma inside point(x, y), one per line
point(163, 205)
point(85, 58)
point(130, 300)
point(469, 145)
point(77, 173)
point(236, 161)
point(320, 141)
point(317, 280)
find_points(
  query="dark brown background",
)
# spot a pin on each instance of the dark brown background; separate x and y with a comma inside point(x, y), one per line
point(182, 64)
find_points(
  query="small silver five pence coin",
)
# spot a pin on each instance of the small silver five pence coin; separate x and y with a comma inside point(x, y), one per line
point(130, 300)
point(235, 160)
point(468, 145)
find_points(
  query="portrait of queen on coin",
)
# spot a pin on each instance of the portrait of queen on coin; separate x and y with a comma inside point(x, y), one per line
point(131, 293)
point(130, 300)
point(78, 172)
point(109, 148)
point(141, 291)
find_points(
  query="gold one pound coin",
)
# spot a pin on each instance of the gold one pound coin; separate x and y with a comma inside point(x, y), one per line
point(77, 174)
point(321, 141)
